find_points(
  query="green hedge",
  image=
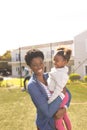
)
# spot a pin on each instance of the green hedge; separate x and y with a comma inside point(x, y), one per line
point(74, 76)
point(85, 78)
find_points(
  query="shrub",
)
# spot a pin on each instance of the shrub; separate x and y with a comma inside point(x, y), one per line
point(1, 79)
point(85, 78)
point(74, 76)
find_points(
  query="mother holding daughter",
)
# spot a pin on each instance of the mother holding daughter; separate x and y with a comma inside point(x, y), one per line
point(47, 113)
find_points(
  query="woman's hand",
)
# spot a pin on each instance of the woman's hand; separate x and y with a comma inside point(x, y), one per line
point(64, 90)
point(60, 113)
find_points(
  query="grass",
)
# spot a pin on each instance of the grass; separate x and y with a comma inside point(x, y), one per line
point(78, 108)
point(78, 91)
point(17, 111)
point(12, 82)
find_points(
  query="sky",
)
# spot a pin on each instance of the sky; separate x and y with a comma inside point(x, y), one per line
point(30, 22)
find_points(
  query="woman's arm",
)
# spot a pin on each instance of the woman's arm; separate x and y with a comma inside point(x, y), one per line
point(41, 103)
point(70, 96)
point(61, 111)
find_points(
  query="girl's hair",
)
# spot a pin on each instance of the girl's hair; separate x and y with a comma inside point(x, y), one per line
point(64, 52)
point(33, 53)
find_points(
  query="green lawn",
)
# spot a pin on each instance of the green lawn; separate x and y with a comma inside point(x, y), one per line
point(78, 108)
point(17, 111)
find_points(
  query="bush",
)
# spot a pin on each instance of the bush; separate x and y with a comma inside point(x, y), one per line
point(1, 79)
point(74, 77)
point(85, 78)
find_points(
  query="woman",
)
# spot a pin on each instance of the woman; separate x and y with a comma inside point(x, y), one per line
point(37, 88)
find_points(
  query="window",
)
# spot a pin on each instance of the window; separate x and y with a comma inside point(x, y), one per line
point(18, 58)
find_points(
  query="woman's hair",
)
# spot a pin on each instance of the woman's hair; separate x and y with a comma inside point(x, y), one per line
point(33, 53)
point(64, 52)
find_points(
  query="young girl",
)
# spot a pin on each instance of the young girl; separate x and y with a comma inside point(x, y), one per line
point(57, 80)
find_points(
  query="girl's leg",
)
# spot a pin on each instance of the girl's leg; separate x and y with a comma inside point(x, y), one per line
point(67, 121)
point(65, 117)
point(59, 124)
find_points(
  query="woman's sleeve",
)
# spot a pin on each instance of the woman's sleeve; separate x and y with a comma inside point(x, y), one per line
point(70, 96)
point(41, 103)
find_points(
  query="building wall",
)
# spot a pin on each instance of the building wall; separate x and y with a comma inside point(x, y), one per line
point(80, 60)
point(48, 50)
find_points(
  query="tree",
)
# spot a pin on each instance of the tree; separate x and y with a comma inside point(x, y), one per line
point(6, 56)
point(4, 59)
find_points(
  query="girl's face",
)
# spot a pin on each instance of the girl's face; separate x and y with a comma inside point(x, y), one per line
point(59, 61)
point(37, 65)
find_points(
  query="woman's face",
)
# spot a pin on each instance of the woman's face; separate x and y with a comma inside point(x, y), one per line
point(37, 65)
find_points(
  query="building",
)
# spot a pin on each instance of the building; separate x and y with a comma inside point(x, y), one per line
point(80, 59)
point(49, 49)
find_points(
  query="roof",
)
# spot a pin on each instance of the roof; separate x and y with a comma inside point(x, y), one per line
point(46, 45)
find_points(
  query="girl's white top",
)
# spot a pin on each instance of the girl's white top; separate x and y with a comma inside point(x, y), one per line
point(57, 80)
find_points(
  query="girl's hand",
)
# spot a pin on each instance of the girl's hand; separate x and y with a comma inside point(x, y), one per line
point(60, 113)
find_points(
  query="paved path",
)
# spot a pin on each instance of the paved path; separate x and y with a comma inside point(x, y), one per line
point(78, 103)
